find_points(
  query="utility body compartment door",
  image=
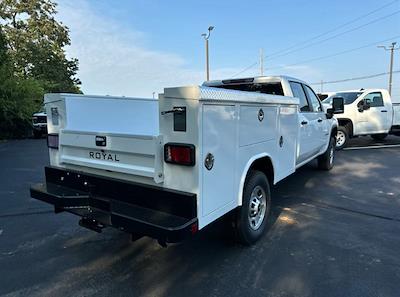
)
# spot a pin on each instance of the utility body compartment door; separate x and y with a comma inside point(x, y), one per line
point(219, 140)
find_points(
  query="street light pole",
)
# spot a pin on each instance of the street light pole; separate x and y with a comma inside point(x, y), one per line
point(207, 62)
point(206, 37)
point(390, 48)
point(391, 67)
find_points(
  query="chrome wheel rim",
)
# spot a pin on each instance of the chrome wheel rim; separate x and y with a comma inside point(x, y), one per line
point(340, 138)
point(257, 207)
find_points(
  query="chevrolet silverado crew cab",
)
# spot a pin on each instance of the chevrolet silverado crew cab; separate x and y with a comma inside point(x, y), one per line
point(366, 112)
point(167, 168)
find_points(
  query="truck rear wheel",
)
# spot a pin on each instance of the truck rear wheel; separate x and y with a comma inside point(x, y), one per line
point(252, 216)
point(325, 161)
point(379, 136)
point(342, 136)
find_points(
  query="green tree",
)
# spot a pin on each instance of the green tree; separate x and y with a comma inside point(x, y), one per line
point(36, 41)
point(19, 97)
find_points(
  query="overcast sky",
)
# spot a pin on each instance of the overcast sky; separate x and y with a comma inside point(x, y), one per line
point(135, 48)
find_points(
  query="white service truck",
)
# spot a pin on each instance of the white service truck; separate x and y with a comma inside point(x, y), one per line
point(366, 112)
point(167, 168)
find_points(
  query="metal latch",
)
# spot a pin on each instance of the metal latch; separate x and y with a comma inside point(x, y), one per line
point(179, 113)
point(174, 110)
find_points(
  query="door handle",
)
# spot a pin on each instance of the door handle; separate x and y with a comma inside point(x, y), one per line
point(304, 122)
point(383, 110)
point(319, 120)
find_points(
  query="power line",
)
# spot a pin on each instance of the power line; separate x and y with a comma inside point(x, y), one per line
point(280, 53)
point(354, 78)
point(335, 54)
point(339, 34)
point(336, 28)
point(245, 69)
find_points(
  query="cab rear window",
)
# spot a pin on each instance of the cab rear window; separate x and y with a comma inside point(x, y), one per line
point(265, 88)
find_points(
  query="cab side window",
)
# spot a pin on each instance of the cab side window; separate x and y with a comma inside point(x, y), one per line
point(298, 92)
point(375, 99)
point(315, 103)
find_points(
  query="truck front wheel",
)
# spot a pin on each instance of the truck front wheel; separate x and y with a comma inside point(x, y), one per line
point(325, 161)
point(342, 137)
point(252, 216)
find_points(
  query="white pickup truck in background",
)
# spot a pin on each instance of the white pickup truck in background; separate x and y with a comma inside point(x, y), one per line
point(366, 112)
point(167, 168)
point(39, 123)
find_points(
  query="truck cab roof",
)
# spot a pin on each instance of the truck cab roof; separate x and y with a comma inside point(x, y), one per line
point(251, 80)
point(274, 85)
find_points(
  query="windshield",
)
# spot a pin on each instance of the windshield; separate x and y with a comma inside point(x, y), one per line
point(349, 97)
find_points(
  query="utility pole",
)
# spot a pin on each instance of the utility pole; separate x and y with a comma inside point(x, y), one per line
point(390, 48)
point(206, 37)
point(261, 62)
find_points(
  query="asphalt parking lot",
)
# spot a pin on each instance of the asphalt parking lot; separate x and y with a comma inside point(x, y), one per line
point(333, 234)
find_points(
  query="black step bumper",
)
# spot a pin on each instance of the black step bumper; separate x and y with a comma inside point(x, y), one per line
point(140, 209)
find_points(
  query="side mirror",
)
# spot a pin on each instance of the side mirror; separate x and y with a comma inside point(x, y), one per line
point(329, 113)
point(338, 105)
point(364, 104)
point(367, 104)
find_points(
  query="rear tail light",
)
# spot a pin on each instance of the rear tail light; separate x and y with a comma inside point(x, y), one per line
point(52, 141)
point(194, 228)
point(178, 153)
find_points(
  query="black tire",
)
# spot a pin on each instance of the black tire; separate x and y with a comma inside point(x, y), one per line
point(247, 232)
point(326, 160)
point(379, 136)
point(342, 137)
point(37, 134)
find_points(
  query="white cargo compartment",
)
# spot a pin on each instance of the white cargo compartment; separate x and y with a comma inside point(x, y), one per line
point(129, 127)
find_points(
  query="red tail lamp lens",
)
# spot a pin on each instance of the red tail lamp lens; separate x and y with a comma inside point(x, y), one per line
point(52, 141)
point(194, 228)
point(182, 154)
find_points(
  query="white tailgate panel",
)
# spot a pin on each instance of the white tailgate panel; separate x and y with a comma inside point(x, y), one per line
point(109, 160)
point(219, 139)
point(396, 114)
point(123, 154)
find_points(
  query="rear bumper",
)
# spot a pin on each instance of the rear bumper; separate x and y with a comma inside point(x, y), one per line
point(140, 209)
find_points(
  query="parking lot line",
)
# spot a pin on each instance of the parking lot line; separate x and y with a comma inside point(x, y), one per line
point(371, 147)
